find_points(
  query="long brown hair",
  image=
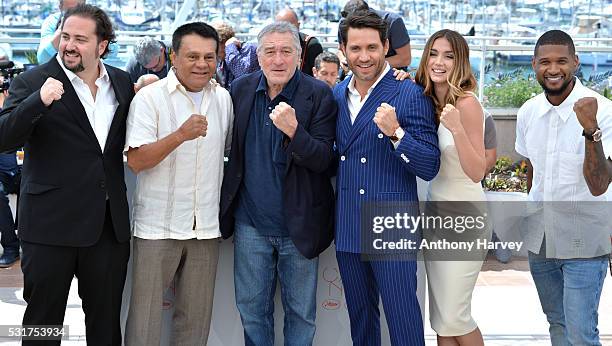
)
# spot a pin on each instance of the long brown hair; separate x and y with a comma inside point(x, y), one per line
point(461, 79)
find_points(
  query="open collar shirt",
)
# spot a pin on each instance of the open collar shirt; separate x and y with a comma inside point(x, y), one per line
point(576, 224)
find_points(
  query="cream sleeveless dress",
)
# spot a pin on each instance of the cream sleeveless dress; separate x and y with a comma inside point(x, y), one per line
point(451, 281)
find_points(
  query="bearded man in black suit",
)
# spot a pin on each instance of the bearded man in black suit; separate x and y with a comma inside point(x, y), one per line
point(69, 114)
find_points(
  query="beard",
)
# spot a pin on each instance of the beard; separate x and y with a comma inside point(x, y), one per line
point(556, 92)
point(365, 77)
point(76, 68)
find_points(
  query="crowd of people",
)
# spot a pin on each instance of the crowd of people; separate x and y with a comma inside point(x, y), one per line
point(278, 110)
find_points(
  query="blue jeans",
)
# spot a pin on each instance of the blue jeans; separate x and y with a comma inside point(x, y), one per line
point(8, 238)
point(258, 260)
point(569, 291)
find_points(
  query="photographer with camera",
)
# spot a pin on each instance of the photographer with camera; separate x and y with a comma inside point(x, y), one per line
point(10, 175)
point(8, 71)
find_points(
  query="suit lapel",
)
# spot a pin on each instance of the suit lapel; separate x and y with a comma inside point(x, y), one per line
point(344, 117)
point(385, 91)
point(243, 109)
point(302, 103)
point(120, 113)
point(71, 101)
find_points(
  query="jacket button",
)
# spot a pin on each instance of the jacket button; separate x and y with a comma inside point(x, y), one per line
point(363, 160)
point(380, 135)
point(342, 158)
point(361, 191)
point(102, 184)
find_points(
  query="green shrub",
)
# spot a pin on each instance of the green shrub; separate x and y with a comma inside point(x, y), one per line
point(511, 89)
point(599, 82)
point(607, 93)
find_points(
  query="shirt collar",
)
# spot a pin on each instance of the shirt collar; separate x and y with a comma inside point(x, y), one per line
point(351, 85)
point(71, 75)
point(174, 83)
point(566, 108)
point(288, 89)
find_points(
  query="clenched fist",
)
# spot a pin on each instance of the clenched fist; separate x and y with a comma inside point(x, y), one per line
point(283, 117)
point(386, 119)
point(51, 91)
point(451, 118)
point(586, 112)
point(195, 126)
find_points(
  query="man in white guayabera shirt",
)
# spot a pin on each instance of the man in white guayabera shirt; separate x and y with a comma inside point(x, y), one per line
point(178, 129)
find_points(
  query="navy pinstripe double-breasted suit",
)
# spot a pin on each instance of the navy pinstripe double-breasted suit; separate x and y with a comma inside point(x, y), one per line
point(371, 169)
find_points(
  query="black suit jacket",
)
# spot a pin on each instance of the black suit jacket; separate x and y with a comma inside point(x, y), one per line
point(66, 176)
point(308, 196)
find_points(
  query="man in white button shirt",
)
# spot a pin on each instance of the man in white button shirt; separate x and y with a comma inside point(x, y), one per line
point(69, 115)
point(566, 135)
point(178, 129)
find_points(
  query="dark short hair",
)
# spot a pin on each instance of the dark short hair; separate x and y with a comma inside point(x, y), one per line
point(198, 28)
point(362, 20)
point(104, 26)
point(557, 38)
point(352, 6)
point(326, 57)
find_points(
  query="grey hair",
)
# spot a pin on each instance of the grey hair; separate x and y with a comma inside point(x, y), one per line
point(146, 49)
point(146, 79)
point(281, 28)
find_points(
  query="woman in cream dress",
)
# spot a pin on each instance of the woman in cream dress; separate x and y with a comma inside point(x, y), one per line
point(447, 77)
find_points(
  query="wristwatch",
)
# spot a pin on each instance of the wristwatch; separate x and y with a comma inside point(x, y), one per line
point(397, 135)
point(594, 136)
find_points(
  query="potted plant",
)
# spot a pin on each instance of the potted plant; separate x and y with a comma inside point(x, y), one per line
point(506, 191)
point(32, 59)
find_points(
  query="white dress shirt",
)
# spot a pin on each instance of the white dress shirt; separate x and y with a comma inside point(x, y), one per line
point(355, 102)
point(101, 110)
point(576, 223)
point(183, 190)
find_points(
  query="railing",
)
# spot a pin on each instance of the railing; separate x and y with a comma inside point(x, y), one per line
point(479, 44)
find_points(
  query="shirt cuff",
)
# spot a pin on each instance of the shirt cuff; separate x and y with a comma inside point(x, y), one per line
point(396, 144)
point(400, 134)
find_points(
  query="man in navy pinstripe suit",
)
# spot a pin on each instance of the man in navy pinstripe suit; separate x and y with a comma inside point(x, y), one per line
point(386, 136)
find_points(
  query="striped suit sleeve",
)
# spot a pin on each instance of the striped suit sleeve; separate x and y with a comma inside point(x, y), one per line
point(418, 150)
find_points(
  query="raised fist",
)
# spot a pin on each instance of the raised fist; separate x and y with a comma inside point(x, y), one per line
point(51, 91)
point(283, 117)
point(195, 126)
point(586, 112)
point(386, 119)
point(451, 118)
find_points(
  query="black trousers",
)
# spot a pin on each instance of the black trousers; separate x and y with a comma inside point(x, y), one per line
point(9, 183)
point(100, 269)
